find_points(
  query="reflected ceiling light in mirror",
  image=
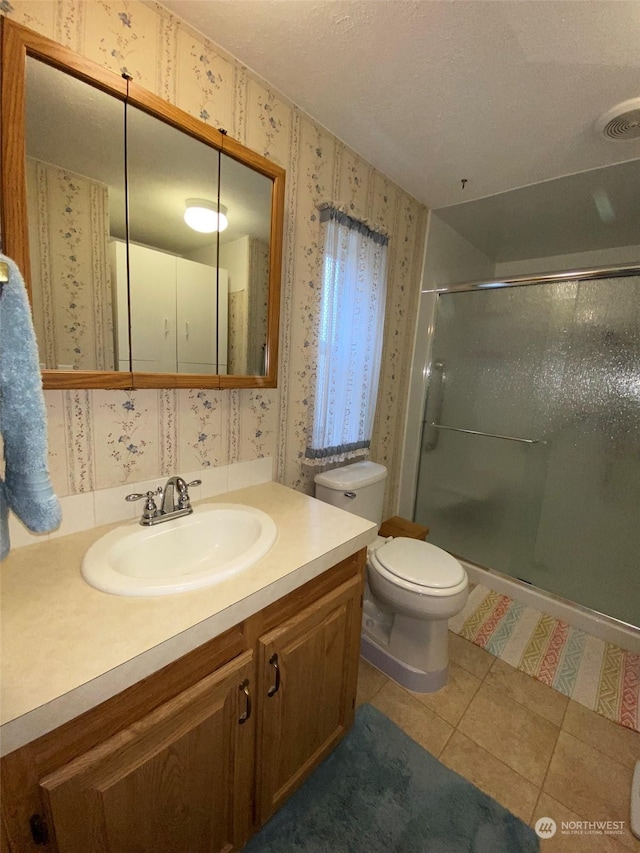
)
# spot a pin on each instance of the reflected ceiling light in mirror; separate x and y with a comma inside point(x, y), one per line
point(203, 216)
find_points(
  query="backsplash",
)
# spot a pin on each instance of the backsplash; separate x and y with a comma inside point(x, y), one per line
point(99, 440)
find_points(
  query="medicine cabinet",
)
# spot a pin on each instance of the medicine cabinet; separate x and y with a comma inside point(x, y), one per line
point(96, 176)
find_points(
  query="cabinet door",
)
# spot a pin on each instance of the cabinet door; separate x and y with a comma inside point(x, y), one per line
point(308, 670)
point(153, 309)
point(201, 316)
point(178, 781)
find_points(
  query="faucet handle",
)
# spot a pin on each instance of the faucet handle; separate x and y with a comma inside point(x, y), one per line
point(185, 501)
point(137, 496)
point(182, 486)
point(150, 509)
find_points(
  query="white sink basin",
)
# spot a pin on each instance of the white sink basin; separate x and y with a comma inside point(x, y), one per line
point(198, 550)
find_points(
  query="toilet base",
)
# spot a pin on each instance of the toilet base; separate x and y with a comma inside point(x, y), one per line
point(403, 673)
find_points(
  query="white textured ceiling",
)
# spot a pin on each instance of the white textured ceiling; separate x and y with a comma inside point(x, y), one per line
point(502, 93)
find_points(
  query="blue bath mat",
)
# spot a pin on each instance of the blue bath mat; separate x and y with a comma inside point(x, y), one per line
point(380, 792)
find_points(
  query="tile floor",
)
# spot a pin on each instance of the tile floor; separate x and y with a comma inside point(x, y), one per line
point(530, 748)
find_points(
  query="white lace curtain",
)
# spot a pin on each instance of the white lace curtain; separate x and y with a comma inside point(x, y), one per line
point(350, 338)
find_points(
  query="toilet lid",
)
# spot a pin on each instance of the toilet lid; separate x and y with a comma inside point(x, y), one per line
point(420, 563)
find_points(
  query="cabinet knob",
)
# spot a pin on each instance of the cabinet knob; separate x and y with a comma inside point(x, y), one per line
point(273, 661)
point(244, 688)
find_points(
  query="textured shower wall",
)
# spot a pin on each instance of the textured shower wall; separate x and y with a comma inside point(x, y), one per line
point(100, 439)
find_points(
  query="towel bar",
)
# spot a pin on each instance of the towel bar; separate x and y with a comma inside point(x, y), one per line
point(490, 434)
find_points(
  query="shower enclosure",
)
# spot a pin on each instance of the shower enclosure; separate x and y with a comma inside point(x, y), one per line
point(530, 456)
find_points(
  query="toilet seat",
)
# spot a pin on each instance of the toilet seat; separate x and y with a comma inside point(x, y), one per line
point(419, 566)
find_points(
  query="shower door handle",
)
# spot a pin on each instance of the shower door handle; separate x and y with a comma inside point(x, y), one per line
point(435, 395)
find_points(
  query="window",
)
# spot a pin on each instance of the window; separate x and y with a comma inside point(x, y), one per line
point(350, 338)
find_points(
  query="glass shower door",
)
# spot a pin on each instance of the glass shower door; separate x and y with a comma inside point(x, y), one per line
point(530, 458)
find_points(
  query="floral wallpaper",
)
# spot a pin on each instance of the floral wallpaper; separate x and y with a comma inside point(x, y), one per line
point(237, 343)
point(69, 227)
point(248, 307)
point(102, 438)
point(258, 292)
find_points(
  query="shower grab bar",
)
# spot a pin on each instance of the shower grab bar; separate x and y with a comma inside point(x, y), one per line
point(489, 434)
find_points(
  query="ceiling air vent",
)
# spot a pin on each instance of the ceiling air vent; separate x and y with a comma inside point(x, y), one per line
point(621, 122)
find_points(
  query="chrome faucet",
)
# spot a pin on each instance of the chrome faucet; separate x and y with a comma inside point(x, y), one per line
point(173, 485)
point(170, 507)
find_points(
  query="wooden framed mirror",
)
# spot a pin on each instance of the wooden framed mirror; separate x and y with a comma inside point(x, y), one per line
point(96, 174)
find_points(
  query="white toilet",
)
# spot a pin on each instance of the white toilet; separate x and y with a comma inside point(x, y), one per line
point(413, 587)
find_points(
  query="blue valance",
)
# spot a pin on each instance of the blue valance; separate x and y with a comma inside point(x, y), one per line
point(322, 453)
point(328, 212)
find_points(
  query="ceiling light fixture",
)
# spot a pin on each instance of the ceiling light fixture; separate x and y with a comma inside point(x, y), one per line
point(202, 215)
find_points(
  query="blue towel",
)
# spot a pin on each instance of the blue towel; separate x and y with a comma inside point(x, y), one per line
point(23, 420)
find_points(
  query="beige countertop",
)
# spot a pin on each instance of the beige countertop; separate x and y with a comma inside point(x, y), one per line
point(66, 647)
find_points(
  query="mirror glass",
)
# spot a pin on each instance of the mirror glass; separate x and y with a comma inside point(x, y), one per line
point(76, 207)
point(197, 306)
point(184, 301)
point(244, 255)
point(178, 301)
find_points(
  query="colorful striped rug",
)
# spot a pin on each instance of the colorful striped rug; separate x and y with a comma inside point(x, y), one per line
point(599, 675)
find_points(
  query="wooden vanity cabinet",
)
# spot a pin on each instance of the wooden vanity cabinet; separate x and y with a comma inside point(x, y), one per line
point(177, 780)
point(197, 756)
point(307, 669)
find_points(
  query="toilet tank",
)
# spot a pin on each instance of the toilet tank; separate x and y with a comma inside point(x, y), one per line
point(356, 488)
